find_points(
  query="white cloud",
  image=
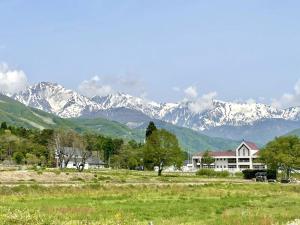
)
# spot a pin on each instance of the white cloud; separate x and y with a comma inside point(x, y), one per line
point(288, 99)
point(203, 103)
point(94, 87)
point(11, 80)
point(191, 92)
point(104, 85)
point(198, 104)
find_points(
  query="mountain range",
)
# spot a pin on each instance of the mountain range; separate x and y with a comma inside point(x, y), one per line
point(18, 114)
point(231, 120)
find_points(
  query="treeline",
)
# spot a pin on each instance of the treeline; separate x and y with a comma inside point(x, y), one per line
point(47, 147)
point(25, 146)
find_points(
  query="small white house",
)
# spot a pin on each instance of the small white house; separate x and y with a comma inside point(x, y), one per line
point(74, 156)
point(245, 156)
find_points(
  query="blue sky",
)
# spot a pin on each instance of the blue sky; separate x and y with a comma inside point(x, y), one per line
point(158, 48)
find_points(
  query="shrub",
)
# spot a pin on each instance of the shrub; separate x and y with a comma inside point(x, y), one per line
point(239, 174)
point(223, 174)
point(205, 172)
point(212, 173)
point(31, 159)
point(18, 157)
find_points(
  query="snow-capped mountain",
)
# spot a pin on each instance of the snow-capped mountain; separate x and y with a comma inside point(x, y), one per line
point(65, 103)
point(120, 100)
point(56, 99)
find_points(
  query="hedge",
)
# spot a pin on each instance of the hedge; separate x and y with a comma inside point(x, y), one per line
point(212, 173)
point(250, 174)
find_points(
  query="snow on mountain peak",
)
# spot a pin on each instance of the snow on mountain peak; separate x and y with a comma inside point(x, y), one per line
point(56, 99)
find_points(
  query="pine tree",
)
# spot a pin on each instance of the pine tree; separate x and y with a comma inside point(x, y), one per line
point(3, 126)
point(151, 127)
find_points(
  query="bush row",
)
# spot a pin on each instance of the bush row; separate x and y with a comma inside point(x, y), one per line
point(250, 174)
point(212, 173)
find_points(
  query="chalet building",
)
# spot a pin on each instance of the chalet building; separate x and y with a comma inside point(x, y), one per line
point(245, 156)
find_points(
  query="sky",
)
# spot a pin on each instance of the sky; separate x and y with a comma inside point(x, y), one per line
point(164, 50)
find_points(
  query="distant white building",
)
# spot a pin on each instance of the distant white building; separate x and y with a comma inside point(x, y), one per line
point(245, 156)
point(74, 156)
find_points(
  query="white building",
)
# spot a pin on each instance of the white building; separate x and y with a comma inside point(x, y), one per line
point(74, 156)
point(245, 156)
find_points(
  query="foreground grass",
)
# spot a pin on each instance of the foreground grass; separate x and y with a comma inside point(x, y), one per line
point(171, 203)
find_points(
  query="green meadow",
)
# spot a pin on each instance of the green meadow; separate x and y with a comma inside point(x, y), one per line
point(114, 197)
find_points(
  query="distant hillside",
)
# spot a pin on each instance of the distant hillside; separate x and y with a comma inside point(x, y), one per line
point(16, 113)
point(294, 132)
point(109, 128)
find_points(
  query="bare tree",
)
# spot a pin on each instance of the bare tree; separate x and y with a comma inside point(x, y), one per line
point(80, 164)
point(66, 143)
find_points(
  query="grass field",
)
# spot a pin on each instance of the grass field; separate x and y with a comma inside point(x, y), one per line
point(120, 197)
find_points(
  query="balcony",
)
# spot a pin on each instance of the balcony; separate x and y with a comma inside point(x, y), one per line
point(231, 161)
point(244, 160)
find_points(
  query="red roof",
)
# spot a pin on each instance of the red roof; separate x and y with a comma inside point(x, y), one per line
point(219, 154)
point(251, 145)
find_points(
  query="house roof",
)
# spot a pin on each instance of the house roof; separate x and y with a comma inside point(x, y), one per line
point(257, 153)
point(219, 153)
point(251, 145)
point(94, 160)
point(73, 151)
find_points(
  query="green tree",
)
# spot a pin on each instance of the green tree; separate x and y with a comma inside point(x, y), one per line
point(282, 153)
point(161, 150)
point(3, 126)
point(129, 157)
point(31, 159)
point(207, 159)
point(150, 129)
point(108, 148)
point(18, 157)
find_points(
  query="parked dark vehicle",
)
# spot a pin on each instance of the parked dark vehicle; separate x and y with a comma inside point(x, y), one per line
point(140, 168)
point(261, 177)
point(285, 181)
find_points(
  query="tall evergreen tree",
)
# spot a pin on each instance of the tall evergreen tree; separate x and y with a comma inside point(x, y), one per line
point(150, 129)
point(3, 125)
